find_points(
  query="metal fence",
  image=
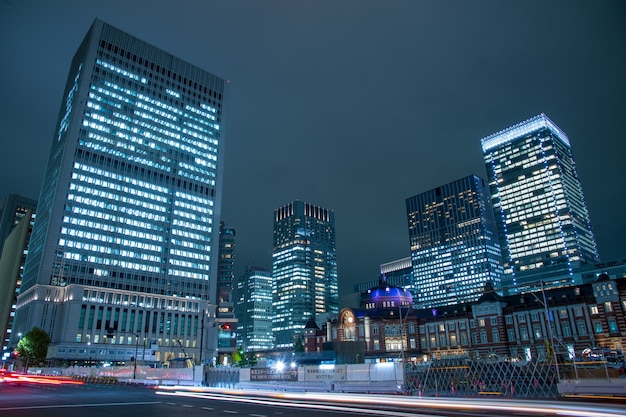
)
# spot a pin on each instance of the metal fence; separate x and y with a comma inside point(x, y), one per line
point(221, 377)
point(461, 376)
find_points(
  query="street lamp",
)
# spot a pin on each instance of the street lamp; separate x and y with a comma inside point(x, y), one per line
point(111, 330)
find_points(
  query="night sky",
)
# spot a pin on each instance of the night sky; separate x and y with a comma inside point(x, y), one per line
point(350, 105)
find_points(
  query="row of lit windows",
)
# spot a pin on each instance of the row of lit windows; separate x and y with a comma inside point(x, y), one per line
point(187, 274)
point(121, 71)
point(157, 137)
point(73, 256)
point(91, 192)
point(191, 265)
point(114, 238)
point(119, 154)
point(167, 114)
point(201, 256)
point(110, 217)
point(204, 172)
point(117, 252)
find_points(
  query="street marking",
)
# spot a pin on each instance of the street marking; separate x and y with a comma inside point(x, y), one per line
point(33, 407)
point(170, 403)
point(207, 408)
point(231, 412)
point(258, 415)
point(188, 405)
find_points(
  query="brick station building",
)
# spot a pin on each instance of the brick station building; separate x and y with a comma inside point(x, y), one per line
point(582, 319)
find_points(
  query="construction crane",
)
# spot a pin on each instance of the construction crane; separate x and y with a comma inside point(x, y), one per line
point(188, 361)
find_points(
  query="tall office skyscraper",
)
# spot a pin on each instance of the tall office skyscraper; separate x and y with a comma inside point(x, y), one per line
point(454, 243)
point(12, 209)
point(254, 310)
point(126, 225)
point(304, 268)
point(542, 219)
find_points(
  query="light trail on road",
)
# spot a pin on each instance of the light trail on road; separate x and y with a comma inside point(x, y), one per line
point(409, 405)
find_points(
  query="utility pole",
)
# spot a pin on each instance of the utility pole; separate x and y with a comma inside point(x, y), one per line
point(111, 331)
point(551, 333)
point(202, 336)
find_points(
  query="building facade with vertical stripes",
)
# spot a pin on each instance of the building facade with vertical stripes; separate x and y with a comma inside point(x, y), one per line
point(254, 310)
point(304, 269)
point(454, 243)
point(128, 221)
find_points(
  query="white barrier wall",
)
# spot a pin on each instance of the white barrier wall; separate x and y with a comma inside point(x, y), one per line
point(379, 372)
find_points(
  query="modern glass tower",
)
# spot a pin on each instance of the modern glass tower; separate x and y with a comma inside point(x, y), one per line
point(542, 219)
point(304, 268)
point(254, 310)
point(454, 243)
point(127, 222)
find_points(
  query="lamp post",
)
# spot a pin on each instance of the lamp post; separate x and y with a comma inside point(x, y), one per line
point(135, 361)
point(111, 330)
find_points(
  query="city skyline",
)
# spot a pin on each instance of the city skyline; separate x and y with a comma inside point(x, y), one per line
point(396, 100)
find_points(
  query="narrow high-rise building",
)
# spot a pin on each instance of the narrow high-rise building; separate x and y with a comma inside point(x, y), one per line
point(124, 246)
point(16, 212)
point(11, 266)
point(542, 218)
point(226, 264)
point(225, 317)
point(304, 269)
point(454, 243)
point(254, 310)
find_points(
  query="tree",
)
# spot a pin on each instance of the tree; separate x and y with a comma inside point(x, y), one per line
point(298, 346)
point(33, 347)
point(237, 356)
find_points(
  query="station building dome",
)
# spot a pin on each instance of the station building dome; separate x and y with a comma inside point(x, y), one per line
point(386, 296)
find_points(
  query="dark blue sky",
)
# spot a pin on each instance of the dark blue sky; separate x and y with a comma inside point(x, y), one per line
point(351, 105)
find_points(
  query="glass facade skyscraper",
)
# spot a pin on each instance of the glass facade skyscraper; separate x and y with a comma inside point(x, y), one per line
point(542, 218)
point(128, 214)
point(304, 268)
point(255, 310)
point(454, 243)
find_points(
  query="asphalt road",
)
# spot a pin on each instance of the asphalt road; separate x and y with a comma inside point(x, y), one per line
point(127, 401)
point(34, 400)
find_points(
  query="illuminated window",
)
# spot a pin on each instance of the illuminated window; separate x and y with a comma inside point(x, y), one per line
point(597, 327)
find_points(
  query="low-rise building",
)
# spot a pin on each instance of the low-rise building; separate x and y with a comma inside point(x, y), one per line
point(534, 325)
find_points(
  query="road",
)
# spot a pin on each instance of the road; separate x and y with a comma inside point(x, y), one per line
point(33, 400)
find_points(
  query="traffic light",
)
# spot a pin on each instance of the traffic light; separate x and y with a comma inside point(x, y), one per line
point(225, 326)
